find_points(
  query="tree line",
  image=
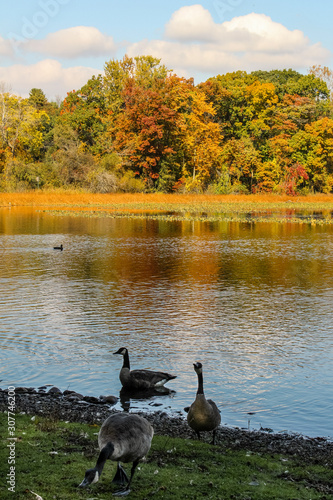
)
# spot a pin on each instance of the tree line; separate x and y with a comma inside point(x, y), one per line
point(141, 128)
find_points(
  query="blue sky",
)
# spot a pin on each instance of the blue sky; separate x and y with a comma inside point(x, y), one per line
point(57, 45)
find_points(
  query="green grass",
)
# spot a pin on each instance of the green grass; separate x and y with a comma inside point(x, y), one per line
point(191, 214)
point(51, 459)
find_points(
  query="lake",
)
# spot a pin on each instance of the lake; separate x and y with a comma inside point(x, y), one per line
point(251, 301)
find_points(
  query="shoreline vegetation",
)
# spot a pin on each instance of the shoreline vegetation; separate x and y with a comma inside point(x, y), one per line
point(314, 209)
point(75, 198)
point(57, 432)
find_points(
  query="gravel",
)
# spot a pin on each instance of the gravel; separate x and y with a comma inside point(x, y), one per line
point(74, 407)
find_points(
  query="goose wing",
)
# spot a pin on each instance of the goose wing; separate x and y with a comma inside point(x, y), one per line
point(216, 411)
point(151, 377)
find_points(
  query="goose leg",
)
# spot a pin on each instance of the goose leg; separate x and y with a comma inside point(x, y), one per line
point(120, 476)
point(126, 491)
point(214, 435)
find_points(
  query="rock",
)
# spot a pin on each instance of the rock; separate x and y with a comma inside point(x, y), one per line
point(55, 391)
point(20, 390)
point(111, 400)
point(73, 396)
point(92, 399)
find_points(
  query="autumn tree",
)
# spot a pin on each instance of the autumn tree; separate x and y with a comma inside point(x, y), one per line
point(241, 162)
point(144, 70)
point(22, 128)
point(313, 148)
point(202, 137)
point(324, 73)
point(85, 111)
point(227, 94)
point(148, 131)
point(261, 103)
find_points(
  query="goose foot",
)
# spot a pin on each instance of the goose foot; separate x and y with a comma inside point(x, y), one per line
point(122, 493)
point(120, 476)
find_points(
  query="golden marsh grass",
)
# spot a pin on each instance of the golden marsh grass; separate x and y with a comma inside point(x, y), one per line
point(75, 199)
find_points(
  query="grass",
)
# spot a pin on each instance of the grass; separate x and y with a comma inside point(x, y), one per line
point(52, 456)
point(313, 209)
point(76, 198)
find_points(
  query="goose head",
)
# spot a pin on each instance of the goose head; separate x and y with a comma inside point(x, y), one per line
point(91, 476)
point(197, 367)
point(121, 351)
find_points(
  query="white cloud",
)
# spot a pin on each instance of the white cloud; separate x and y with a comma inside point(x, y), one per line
point(193, 42)
point(6, 48)
point(192, 23)
point(47, 75)
point(193, 45)
point(265, 34)
point(79, 41)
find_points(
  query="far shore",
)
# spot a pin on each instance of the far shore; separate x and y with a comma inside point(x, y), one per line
point(85, 199)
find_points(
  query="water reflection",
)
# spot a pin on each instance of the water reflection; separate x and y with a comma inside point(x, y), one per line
point(252, 302)
point(129, 399)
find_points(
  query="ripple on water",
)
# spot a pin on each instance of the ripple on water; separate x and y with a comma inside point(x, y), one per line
point(253, 307)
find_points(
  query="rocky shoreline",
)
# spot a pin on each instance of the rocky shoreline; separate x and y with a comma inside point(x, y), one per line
point(73, 407)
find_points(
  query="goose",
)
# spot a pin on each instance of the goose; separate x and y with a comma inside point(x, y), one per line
point(124, 438)
point(58, 248)
point(203, 414)
point(140, 380)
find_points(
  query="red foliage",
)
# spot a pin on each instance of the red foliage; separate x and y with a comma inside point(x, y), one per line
point(294, 173)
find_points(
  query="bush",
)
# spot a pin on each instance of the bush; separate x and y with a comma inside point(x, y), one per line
point(131, 184)
point(21, 176)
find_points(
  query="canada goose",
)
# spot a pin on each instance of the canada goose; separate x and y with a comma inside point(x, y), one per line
point(58, 248)
point(203, 414)
point(124, 438)
point(140, 380)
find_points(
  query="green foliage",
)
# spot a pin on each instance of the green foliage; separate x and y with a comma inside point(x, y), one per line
point(168, 175)
point(139, 127)
point(71, 160)
point(37, 98)
point(292, 82)
point(20, 176)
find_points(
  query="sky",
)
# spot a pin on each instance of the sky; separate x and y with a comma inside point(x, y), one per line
point(57, 45)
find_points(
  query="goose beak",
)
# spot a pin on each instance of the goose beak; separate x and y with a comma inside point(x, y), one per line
point(121, 351)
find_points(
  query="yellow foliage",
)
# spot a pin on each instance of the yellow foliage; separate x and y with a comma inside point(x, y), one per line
point(202, 142)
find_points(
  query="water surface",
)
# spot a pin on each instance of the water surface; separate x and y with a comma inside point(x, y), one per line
point(251, 301)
